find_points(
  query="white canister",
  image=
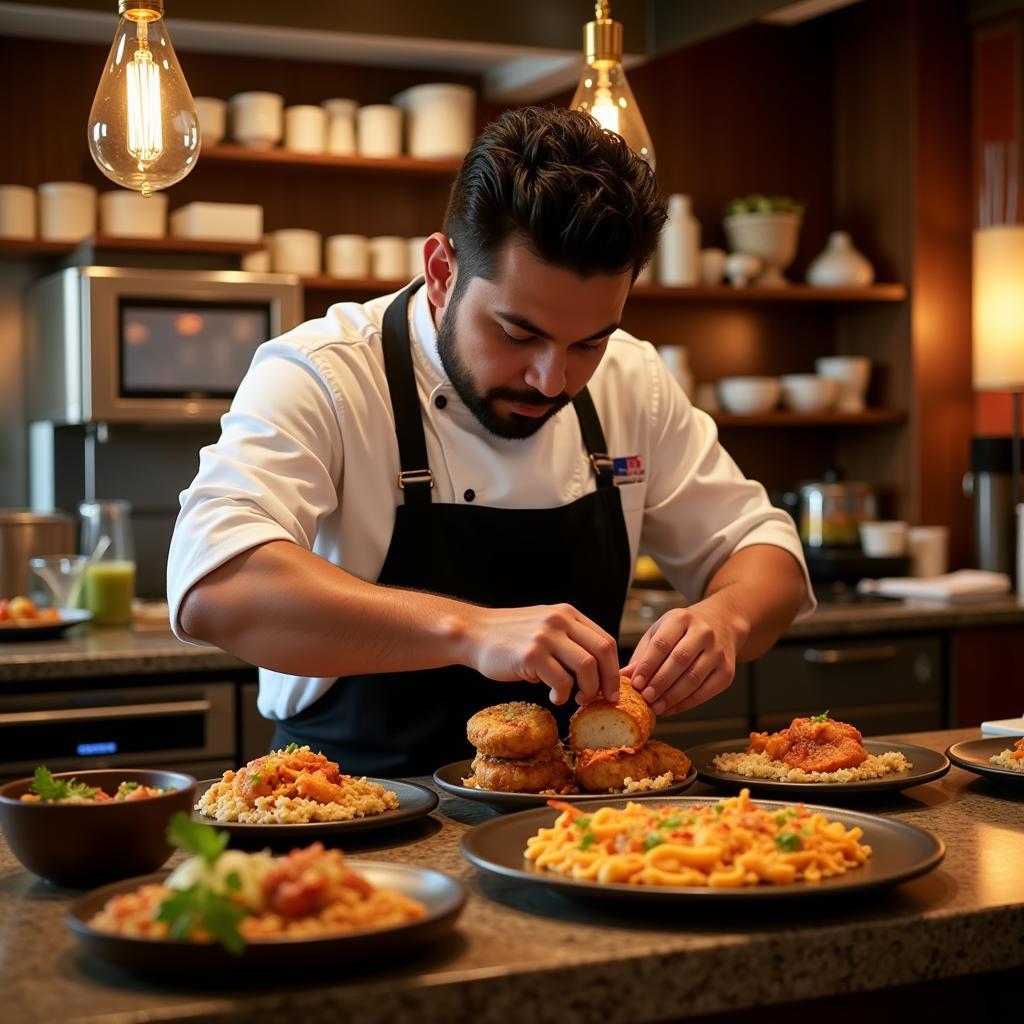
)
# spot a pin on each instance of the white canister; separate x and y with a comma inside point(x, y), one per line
point(213, 119)
point(415, 266)
point(379, 130)
point(125, 214)
point(341, 134)
point(679, 252)
point(440, 119)
point(17, 211)
point(928, 547)
point(295, 251)
point(712, 266)
point(348, 256)
point(389, 258)
point(67, 211)
point(257, 119)
point(338, 107)
point(305, 128)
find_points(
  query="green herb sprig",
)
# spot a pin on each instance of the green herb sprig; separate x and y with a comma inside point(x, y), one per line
point(789, 842)
point(820, 719)
point(47, 788)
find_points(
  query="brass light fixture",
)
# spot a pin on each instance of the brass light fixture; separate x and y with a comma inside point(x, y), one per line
point(603, 91)
point(143, 129)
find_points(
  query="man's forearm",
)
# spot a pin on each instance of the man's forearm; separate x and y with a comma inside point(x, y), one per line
point(758, 590)
point(283, 608)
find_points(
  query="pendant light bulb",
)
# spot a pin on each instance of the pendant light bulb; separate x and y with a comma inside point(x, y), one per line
point(603, 91)
point(143, 129)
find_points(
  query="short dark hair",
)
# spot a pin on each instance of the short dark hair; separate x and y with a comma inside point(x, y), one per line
point(574, 192)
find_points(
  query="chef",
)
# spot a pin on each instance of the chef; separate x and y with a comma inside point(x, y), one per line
point(433, 502)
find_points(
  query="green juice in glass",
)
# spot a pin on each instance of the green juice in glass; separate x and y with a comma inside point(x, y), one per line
point(107, 591)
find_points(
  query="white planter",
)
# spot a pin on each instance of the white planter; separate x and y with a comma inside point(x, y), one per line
point(772, 237)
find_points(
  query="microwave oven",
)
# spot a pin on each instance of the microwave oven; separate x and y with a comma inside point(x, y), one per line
point(120, 345)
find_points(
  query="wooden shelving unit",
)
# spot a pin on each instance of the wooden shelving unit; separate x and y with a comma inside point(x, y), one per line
point(867, 418)
point(283, 158)
point(16, 248)
point(792, 293)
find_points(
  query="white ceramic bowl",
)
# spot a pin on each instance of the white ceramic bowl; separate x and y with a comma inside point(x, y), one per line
point(808, 392)
point(883, 538)
point(257, 118)
point(440, 119)
point(852, 374)
point(747, 396)
point(125, 214)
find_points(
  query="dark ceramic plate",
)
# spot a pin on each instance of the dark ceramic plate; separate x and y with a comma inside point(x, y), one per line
point(45, 630)
point(413, 802)
point(973, 755)
point(899, 852)
point(928, 765)
point(444, 898)
point(450, 777)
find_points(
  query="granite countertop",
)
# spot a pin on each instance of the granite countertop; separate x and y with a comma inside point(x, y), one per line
point(84, 652)
point(522, 953)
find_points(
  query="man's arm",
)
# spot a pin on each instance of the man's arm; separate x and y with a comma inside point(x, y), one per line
point(689, 655)
point(282, 607)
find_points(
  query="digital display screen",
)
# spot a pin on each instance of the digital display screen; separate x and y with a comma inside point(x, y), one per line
point(188, 349)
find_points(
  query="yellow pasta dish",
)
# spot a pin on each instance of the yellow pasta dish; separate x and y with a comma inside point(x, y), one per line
point(727, 844)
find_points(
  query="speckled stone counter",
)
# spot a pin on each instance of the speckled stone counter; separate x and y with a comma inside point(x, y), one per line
point(527, 954)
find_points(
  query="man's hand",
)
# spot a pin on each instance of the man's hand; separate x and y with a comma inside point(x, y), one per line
point(687, 657)
point(551, 644)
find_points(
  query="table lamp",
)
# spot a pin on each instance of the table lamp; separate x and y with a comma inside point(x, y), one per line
point(998, 354)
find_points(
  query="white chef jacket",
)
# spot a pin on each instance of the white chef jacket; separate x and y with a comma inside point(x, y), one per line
point(308, 454)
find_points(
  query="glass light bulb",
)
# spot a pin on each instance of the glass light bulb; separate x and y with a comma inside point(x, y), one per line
point(604, 93)
point(143, 129)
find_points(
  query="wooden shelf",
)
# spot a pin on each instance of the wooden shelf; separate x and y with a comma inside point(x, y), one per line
point(354, 285)
point(278, 157)
point(791, 293)
point(867, 418)
point(18, 247)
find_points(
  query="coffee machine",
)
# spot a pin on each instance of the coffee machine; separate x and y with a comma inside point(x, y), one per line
point(989, 485)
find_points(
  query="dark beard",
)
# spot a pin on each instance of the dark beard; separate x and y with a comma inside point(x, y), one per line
point(515, 428)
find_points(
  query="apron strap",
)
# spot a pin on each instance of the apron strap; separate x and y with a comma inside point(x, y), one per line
point(415, 479)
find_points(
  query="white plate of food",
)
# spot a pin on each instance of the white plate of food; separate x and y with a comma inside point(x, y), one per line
point(816, 758)
point(294, 792)
point(698, 849)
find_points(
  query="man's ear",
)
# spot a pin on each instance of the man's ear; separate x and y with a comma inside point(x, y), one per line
point(439, 269)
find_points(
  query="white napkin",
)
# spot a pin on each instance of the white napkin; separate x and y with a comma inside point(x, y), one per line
point(1004, 727)
point(961, 586)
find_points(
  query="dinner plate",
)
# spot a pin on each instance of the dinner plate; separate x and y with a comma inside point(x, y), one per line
point(973, 755)
point(450, 777)
point(927, 766)
point(899, 852)
point(45, 630)
point(413, 802)
point(444, 898)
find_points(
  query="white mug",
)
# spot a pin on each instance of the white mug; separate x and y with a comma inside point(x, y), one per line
point(125, 214)
point(883, 538)
point(389, 258)
point(348, 256)
point(341, 135)
point(67, 211)
point(305, 128)
point(213, 119)
point(295, 251)
point(257, 119)
point(17, 211)
point(379, 130)
point(929, 550)
point(415, 245)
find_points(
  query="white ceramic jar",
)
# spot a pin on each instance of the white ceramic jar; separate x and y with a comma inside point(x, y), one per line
point(379, 130)
point(840, 265)
point(67, 211)
point(213, 119)
point(853, 374)
point(125, 214)
point(415, 266)
point(305, 128)
point(679, 251)
point(17, 211)
point(295, 251)
point(389, 258)
point(257, 119)
point(440, 119)
point(348, 256)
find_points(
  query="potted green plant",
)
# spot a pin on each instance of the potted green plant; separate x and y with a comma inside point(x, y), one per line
point(767, 227)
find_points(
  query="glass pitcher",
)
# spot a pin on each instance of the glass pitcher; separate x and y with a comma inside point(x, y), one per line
point(108, 583)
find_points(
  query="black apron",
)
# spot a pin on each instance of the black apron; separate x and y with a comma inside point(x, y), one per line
point(410, 723)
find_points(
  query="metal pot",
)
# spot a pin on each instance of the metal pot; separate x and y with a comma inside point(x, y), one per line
point(25, 534)
point(831, 512)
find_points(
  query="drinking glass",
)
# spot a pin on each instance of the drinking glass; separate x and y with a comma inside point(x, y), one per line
point(109, 577)
point(61, 575)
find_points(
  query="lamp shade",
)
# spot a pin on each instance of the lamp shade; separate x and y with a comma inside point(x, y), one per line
point(998, 355)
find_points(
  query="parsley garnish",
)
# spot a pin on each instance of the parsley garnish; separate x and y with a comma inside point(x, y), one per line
point(789, 842)
point(820, 719)
point(46, 787)
point(719, 809)
point(583, 821)
point(195, 837)
point(290, 749)
point(780, 818)
point(672, 822)
point(653, 840)
point(588, 839)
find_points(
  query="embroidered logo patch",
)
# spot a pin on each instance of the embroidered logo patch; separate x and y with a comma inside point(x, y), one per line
point(629, 469)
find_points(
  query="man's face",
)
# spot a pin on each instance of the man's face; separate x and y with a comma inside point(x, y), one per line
point(518, 348)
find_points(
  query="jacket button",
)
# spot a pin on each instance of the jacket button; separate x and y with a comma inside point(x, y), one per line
point(440, 401)
point(470, 494)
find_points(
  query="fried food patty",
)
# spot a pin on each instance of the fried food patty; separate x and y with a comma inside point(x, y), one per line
point(602, 768)
point(669, 759)
point(813, 745)
point(516, 730)
point(547, 770)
